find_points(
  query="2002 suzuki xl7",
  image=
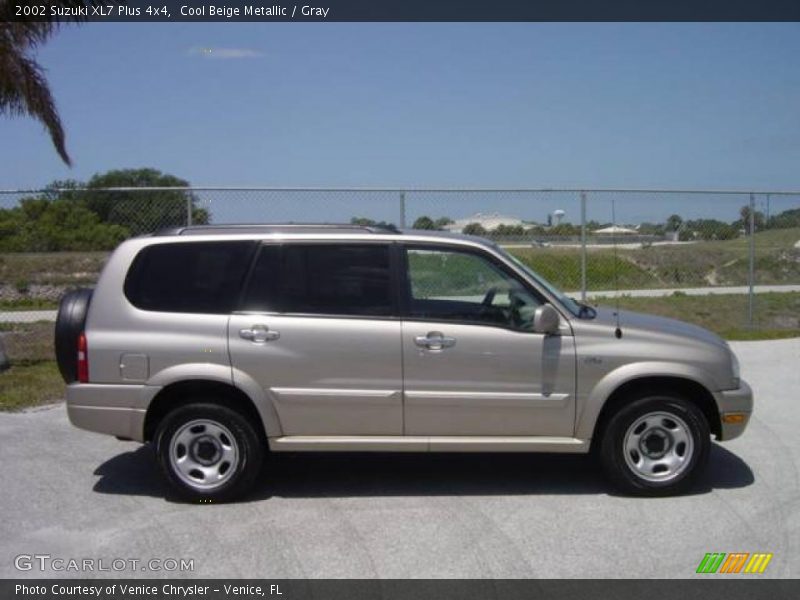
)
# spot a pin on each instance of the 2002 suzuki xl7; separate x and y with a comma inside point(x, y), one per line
point(220, 343)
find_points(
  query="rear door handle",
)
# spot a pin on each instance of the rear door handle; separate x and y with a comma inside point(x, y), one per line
point(259, 334)
point(435, 340)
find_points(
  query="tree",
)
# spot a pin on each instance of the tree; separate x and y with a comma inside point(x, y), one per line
point(508, 231)
point(424, 222)
point(707, 229)
point(23, 86)
point(536, 230)
point(49, 225)
point(474, 229)
point(786, 219)
point(651, 229)
point(565, 230)
point(141, 211)
point(69, 215)
point(367, 222)
point(674, 223)
point(442, 222)
point(744, 223)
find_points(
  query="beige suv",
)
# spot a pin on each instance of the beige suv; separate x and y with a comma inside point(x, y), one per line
point(219, 344)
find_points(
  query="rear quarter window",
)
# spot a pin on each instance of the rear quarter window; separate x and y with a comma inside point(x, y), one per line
point(189, 277)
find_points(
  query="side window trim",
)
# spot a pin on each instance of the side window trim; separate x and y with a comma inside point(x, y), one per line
point(405, 282)
point(237, 309)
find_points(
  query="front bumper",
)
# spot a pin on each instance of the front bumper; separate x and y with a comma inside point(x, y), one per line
point(733, 403)
point(113, 409)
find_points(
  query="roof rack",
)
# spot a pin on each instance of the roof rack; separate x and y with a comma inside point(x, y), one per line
point(244, 228)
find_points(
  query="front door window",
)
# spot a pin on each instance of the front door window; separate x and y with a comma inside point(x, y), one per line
point(464, 287)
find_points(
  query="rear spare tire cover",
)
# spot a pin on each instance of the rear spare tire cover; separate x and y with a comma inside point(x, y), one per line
point(69, 325)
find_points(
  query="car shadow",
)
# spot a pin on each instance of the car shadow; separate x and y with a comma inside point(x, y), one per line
point(311, 475)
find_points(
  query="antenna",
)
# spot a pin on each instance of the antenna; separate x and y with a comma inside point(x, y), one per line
point(617, 331)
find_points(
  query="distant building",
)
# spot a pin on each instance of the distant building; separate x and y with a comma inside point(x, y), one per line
point(615, 230)
point(488, 221)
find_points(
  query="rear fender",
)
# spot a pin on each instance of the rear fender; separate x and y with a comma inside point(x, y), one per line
point(227, 375)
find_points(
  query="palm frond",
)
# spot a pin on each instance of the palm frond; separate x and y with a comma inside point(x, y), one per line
point(23, 86)
point(24, 91)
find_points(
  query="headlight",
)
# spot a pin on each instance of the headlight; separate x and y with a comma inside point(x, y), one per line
point(735, 370)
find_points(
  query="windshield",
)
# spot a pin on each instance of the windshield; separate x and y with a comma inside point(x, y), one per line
point(569, 303)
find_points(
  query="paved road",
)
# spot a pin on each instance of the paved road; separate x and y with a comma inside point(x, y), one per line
point(699, 291)
point(70, 493)
point(27, 316)
point(31, 316)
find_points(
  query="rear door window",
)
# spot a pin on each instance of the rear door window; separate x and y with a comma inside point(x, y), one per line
point(323, 279)
point(189, 277)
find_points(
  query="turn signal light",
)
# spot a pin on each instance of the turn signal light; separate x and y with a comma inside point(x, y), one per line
point(734, 418)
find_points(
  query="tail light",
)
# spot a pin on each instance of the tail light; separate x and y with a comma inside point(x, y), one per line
point(83, 359)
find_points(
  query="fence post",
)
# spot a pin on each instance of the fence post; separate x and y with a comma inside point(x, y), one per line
point(402, 210)
point(751, 266)
point(583, 246)
point(188, 210)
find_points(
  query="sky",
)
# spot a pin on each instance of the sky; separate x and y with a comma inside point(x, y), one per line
point(488, 105)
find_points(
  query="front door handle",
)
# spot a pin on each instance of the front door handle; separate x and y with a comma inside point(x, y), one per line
point(435, 340)
point(259, 334)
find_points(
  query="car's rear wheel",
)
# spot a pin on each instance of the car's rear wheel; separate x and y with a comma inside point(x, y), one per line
point(656, 445)
point(209, 452)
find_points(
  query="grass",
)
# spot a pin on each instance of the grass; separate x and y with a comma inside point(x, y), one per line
point(27, 343)
point(777, 315)
point(684, 265)
point(28, 304)
point(752, 335)
point(26, 385)
point(562, 267)
point(54, 268)
point(33, 378)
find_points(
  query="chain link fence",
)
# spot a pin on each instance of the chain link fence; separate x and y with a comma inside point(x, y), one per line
point(729, 261)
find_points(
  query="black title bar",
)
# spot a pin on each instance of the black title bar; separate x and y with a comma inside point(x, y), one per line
point(721, 588)
point(409, 10)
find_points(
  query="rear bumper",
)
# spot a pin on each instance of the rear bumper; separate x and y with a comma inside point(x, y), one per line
point(112, 409)
point(733, 403)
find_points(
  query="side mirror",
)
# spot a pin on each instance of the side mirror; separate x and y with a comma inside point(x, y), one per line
point(546, 319)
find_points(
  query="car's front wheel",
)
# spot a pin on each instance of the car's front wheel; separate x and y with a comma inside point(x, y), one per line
point(656, 445)
point(209, 452)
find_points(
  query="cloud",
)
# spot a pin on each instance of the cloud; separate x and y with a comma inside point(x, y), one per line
point(223, 53)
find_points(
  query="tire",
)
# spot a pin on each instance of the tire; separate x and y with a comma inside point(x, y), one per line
point(208, 452)
point(70, 322)
point(655, 446)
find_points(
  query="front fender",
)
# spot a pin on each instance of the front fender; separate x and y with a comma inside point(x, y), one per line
point(589, 411)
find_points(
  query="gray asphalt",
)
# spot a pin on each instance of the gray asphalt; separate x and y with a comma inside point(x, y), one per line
point(72, 494)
